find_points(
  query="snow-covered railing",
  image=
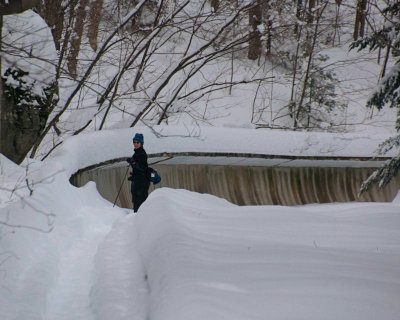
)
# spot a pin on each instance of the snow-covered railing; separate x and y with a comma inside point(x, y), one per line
point(220, 146)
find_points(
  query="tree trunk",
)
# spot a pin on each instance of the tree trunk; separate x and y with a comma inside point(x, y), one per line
point(359, 23)
point(299, 10)
point(215, 5)
point(77, 38)
point(52, 12)
point(96, 8)
point(16, 6)
point(310, 58)
point(255, 35)
point(310, 20)
point(292, 105)
point(338, 2)
point(363, 17)
point(267, 9)
point(383, 71)
point(310, 13)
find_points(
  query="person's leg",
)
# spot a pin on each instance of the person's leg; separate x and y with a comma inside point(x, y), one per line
point(139, 194)
point(136, 197)
point(136, 206)
point(146, 190)
point(133, 194)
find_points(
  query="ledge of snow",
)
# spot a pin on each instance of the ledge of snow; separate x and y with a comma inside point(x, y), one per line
point(89, 149)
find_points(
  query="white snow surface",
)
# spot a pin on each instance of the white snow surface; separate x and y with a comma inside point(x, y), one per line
point(67, 253)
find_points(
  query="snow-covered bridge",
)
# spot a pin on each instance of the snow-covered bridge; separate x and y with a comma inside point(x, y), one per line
point(248, 166)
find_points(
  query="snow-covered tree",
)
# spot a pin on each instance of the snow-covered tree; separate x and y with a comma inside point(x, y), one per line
point(28, 82)
point(388, 91)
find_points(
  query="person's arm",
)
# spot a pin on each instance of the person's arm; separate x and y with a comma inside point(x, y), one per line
point(131, 161)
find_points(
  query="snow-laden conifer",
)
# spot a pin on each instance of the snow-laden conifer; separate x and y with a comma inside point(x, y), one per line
point(388, 91)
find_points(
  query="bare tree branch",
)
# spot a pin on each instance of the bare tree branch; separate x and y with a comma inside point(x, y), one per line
point(102, 50)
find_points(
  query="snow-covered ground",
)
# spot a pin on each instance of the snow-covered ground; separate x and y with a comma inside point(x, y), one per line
point(66, 253)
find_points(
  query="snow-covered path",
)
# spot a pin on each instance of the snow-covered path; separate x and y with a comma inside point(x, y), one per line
point(120, 289)
point(71, 294)
point(100, 275)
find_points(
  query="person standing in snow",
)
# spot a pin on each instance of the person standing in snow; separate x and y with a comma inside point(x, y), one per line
point(140, 177)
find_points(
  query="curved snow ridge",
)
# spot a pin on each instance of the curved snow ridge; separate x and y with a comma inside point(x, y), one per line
point(207, 259)
point(89, 149)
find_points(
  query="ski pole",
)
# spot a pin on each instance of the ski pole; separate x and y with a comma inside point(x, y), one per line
point(123, 180)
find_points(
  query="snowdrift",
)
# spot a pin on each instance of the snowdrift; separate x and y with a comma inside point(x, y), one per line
point(207, 259)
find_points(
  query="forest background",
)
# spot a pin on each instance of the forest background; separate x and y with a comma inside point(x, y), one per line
point(75, 66)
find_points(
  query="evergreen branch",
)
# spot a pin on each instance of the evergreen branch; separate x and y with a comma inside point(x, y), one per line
point(383, 175)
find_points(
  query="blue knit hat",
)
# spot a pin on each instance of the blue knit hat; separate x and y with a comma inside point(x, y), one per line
point(139, 137)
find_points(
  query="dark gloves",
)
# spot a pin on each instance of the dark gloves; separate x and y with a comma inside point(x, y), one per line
point(131, 161)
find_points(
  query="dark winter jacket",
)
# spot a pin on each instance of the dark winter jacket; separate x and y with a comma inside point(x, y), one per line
point(139, 164)
point(140, 177)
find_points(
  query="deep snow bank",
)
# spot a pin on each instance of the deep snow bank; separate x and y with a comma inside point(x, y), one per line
point(48, 242)
point(208, 259)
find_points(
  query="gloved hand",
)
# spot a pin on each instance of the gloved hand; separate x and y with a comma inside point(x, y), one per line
point(129, 160)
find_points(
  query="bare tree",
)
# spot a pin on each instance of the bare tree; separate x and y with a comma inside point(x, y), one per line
point(86, 75)
point(153, 64)
point(142, 48)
